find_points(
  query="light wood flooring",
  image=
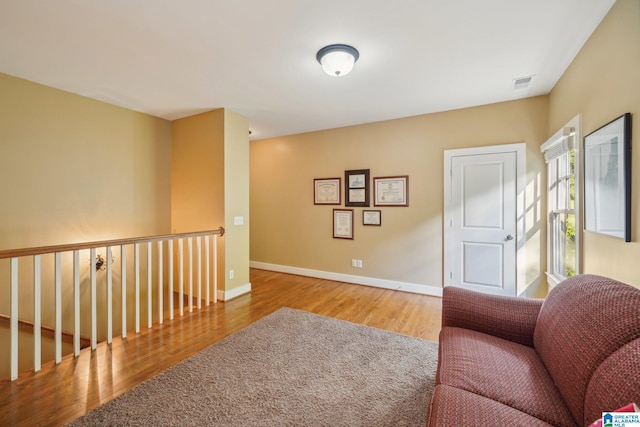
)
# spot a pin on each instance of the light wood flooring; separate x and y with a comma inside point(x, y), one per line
point(59, 394)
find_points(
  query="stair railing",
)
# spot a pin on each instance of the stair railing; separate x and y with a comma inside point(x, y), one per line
point(98, 263)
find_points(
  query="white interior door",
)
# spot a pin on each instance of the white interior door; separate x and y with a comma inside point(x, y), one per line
point(481, 215)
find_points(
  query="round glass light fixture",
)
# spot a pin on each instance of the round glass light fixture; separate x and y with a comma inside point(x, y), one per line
point(337, 59)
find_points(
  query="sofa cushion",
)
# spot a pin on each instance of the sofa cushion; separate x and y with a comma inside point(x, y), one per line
point(582, 322)
point(501, 370)
point(456, 407)
point(615, 383)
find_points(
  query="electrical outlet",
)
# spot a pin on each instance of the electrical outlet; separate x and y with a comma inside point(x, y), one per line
point(354, 263)
point(231, 274)
point(359, 263)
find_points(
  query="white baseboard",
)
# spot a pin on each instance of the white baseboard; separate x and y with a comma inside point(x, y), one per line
point(233, 293)
point(359, 280)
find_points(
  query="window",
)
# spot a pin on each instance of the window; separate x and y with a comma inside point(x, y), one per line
point(562, 214)
point(560, 153)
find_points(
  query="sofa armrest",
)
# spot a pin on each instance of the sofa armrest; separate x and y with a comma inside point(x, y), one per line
point(511, 318)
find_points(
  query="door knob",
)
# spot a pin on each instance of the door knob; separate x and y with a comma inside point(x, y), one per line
point(509, 237)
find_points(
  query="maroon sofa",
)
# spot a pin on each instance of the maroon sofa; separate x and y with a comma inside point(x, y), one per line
point(561, 361)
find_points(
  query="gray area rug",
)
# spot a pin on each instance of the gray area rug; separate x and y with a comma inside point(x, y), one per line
point(290, 368)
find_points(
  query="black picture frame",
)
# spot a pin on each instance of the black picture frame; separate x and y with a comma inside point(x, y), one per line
point(607, 179)
point(356, 188)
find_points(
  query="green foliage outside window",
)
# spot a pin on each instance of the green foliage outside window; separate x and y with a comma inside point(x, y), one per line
point(570, 221)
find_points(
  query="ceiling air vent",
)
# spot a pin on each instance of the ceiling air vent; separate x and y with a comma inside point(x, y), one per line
point(522, 82)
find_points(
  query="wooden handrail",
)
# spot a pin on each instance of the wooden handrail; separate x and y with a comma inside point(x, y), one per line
point(16, 253)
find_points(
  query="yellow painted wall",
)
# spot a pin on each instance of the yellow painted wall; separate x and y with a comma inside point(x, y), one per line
point(287, 229)
point(75, 169)
point(236, 202)
point(197, 172)
point(210, 185)
point(601, 84)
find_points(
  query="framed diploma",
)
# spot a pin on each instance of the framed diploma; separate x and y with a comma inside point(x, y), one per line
point(391, 191)
point(343, 224)
point(371, 217)
point(326, 191)
point(356, 188)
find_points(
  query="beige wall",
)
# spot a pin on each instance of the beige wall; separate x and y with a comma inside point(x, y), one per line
point(602, 84)
point(197, 172)
point(210, 185)
point(74, 169)
point(288, 230)
point(236, 202)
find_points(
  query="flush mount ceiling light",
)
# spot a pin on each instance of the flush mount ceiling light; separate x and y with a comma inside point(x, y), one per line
point(337, 59)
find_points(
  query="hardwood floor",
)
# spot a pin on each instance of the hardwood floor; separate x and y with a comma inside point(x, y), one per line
point(59, 394)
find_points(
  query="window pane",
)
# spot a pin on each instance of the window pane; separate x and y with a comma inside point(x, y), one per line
point(564, 244)
point(572, 179)
point(562, 194)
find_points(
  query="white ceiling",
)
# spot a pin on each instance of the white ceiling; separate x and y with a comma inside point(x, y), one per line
point(174, 58)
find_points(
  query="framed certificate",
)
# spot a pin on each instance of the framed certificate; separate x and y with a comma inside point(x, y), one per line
point(326, 191)
point(391, 191)
point(343, 224)
point(371, 217)
point(356, 188)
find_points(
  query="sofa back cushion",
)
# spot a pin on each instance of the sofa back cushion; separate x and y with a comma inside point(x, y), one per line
point(583, 321)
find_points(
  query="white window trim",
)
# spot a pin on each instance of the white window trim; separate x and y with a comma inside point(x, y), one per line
point(557, 142)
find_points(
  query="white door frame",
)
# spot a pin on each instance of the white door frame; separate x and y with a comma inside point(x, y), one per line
point(521, 173)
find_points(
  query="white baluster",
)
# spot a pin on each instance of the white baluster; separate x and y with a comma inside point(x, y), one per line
point(76, 302)
point(13, 322)
point(190, 243)
point(181, 275)
point(37, 314)
point(215, 268)
point(92, 274)
point(123, 286)
point(207, 281)
point(58, 301)
point(136, 267)
point(108, 260)
point(149, 288)
point(160, 279)
point(199, 267)
point(170, 279)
